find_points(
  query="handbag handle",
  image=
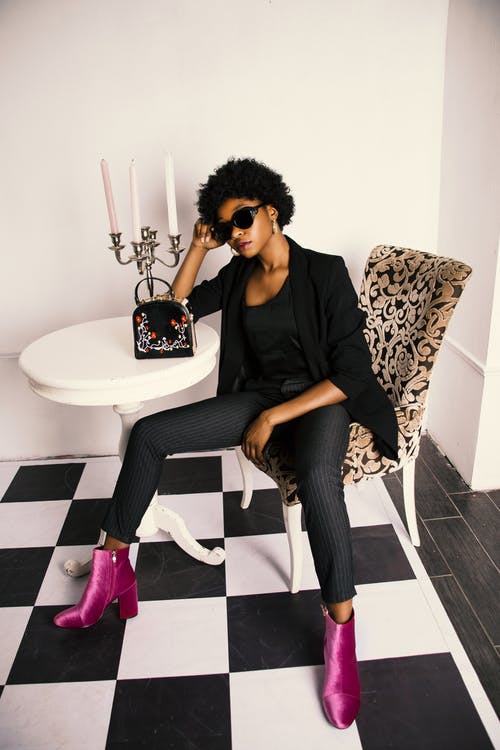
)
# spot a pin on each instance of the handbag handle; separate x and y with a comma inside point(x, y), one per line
point(153, 278)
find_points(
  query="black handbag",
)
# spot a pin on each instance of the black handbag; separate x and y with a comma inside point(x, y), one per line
point(163, 326)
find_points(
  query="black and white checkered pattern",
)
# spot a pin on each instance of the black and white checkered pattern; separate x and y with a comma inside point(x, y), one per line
point(219, 657)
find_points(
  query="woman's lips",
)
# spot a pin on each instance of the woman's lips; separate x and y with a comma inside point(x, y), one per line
point(243, 246)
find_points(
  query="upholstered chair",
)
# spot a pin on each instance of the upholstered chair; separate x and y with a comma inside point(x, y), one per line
point(409, 298)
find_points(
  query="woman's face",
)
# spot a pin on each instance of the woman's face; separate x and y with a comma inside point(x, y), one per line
point(248, 242)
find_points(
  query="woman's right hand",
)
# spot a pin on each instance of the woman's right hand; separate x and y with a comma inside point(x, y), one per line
point(203, 237)
point(202, 241)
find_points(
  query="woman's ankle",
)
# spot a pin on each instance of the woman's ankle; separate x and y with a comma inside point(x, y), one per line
point(340, 612)
point(110, 543)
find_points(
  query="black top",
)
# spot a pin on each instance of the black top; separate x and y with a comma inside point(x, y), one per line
point(274, 350)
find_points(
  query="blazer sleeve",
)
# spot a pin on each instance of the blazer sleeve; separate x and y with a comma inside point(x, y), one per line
point(207, 297)
point(349, 359)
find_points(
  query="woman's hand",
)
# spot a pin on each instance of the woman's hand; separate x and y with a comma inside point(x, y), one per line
point(203, 237)
point(186, 275)
point(255, 438)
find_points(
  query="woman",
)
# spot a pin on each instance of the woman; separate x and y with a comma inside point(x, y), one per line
point(293, 363)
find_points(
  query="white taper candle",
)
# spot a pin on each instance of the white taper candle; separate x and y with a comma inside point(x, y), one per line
point(170, 188)
point(108, 192)
point(134, 204)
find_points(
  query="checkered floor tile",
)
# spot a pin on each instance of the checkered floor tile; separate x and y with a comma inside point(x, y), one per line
point(220, 656)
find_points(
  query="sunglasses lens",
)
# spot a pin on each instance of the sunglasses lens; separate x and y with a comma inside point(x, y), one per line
point(243, 218)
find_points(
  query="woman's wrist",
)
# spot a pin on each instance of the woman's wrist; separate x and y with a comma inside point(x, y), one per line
point(196, 248)
point(270, 417)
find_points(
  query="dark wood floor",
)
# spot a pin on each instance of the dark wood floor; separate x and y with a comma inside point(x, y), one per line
point(461, 553)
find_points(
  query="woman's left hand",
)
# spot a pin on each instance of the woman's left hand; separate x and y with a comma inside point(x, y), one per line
point(255, 438)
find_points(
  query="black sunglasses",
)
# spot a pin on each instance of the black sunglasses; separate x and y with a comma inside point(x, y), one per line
point(242, 219)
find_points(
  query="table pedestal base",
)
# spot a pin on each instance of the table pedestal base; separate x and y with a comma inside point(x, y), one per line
point(160, 517)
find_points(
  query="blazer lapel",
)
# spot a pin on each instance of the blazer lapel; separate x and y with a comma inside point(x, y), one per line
point(233, 336)
point(305, 309)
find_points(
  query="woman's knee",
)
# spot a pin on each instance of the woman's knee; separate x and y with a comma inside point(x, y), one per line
point(143, 433)
point(139, 429)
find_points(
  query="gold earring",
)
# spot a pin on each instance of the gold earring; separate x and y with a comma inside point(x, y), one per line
point(275, 226)
point(235, 252)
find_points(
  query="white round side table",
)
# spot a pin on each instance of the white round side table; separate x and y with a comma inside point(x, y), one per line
point(93, 364)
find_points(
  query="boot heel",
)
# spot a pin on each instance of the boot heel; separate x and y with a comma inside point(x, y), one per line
point(128, 602)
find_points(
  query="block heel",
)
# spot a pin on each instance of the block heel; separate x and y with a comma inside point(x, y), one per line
point(128, 602)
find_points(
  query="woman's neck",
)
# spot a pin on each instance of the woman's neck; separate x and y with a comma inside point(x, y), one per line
point(276, 254)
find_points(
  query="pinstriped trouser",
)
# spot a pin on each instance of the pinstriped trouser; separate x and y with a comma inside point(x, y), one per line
point(319, 440)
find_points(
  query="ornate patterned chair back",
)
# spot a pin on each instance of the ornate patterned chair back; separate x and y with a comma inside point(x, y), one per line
point(409, 297)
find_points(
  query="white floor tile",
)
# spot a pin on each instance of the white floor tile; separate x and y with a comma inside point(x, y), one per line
point(176, 637)
point(32, 524)
point(260, 564)
point(13, 621)
point(203, 514)
point(394, 619)
point(98, 478)
point(56, 716)
point(281, 708)
point(364, 505)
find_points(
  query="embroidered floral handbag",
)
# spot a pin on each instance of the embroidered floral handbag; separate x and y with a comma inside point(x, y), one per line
point(163, 326)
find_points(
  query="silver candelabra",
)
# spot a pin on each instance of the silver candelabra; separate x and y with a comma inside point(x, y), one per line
point(145, 252)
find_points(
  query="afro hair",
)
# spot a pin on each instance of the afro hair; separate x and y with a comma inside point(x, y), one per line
point(245, 178)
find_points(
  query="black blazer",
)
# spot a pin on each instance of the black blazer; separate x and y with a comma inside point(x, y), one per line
point(330, 328)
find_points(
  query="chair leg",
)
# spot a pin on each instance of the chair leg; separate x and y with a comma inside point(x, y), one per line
point(292, 516)
point(409, 500)
point(246, 474)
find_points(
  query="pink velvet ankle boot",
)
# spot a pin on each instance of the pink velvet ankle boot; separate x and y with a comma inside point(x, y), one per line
point(111, 576)
point(341, 691)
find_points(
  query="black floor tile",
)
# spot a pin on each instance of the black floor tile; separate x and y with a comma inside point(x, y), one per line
point(271, 631)
point(47, 482)
point(165, 571)
point(83, 522)
point(51, 654)
point(495, 496)
point(483, 516)
point(178, 713)
point(428, 552)
point(378, 555)
point(263, 516)
point(181, 476)
point(480, 651)
point(21, 574)
point(446, 474)
point(472, 568)
point(417, 702)
point(430, 498)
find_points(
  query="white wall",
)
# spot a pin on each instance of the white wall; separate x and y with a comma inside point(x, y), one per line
point(464, 400)
point(345, 99)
